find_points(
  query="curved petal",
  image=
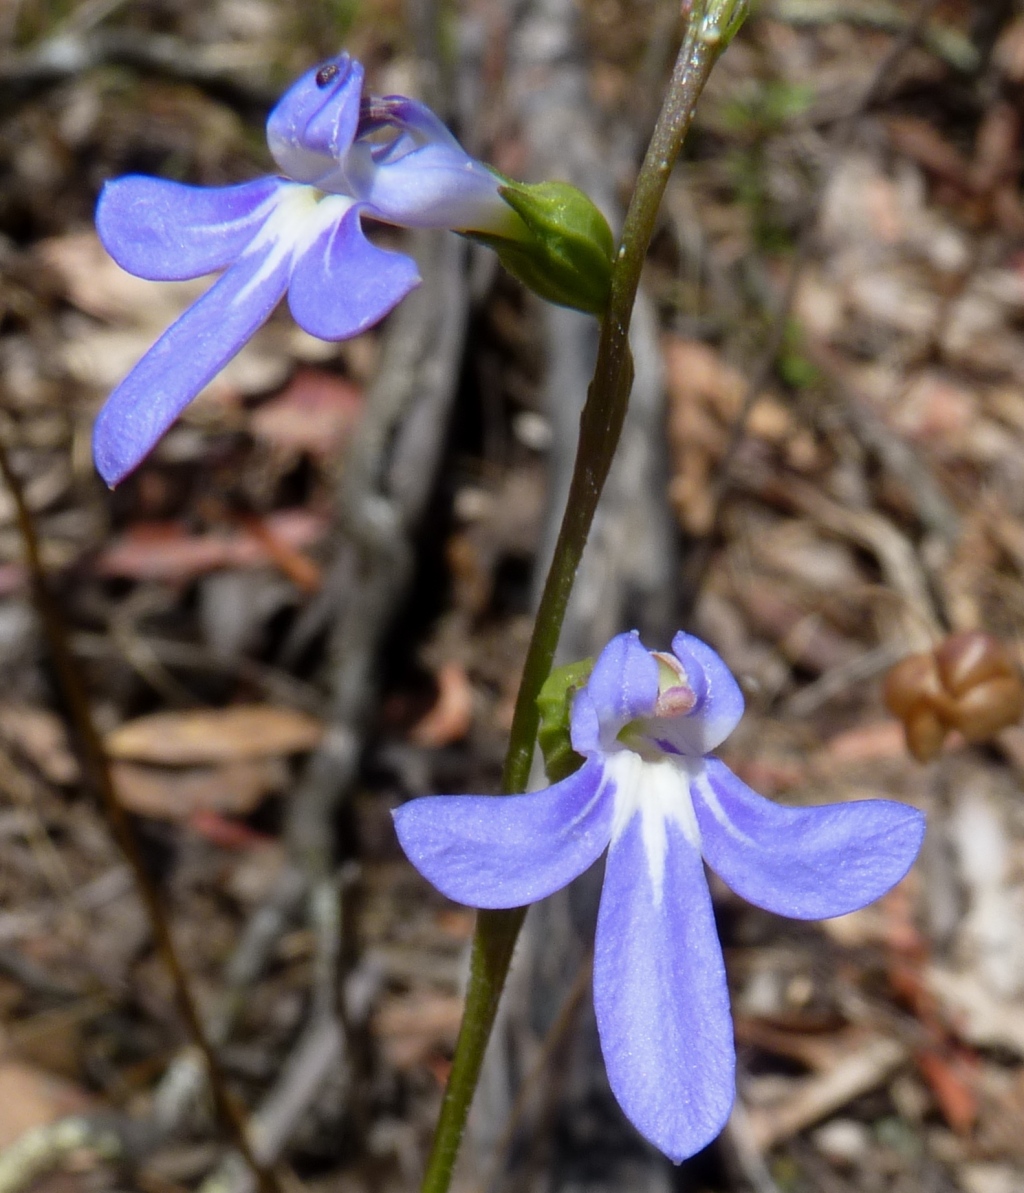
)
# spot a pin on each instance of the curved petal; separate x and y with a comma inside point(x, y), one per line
point(507, 851)
point(436, 186)
point(661, 998)
point(187, 356)
point(806, 863)
point(409, 115)
point(166, 231)
point(622, 687)
point(718, 707)
point(342, 284)
point(311, 128)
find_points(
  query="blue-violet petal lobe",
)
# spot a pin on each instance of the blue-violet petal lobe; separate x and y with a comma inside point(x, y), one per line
point(661, 998)
point(507, 851)
point(807, 863)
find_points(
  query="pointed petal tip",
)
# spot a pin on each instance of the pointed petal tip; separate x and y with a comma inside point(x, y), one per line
point(112, 461)
point(689, 1138)
point(661, 999)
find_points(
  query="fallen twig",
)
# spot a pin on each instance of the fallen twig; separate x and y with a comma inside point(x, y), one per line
point(817, 1097)
point(237, 69)
point(97, 767)
point(43, 1149)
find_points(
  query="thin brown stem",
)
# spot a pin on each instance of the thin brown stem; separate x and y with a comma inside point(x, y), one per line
point(97, 766)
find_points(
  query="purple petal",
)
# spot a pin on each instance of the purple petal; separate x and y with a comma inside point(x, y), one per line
point(507, 851)
point(409, 115)
point(719, 703)
point(806, 863)
point(187, 356)
point(166, 231)
point(312, 127)
point(622, 687)
point(436, 186)
point(660, 996)
point(342, 284)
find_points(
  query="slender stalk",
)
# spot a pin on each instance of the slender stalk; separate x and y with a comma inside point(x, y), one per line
point(600, 428)
point(69, 679)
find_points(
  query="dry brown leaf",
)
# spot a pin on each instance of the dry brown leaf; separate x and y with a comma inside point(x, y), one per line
point(949, 1077)
point(315, 413)
point(974, 1013)
point(97, 285)
point(31, 1098)
point(414, 1025)
point(921, 141)
point(209, 736)
point(166, 551)
point(819, 1051)
point(452, 715)
point(305, 573)
point(705, 397)
point(138, 311)
point(867, 1065)
point(237, 788)
point(936, 410)
point(1008, 55)
point(41, 736)
point(868, 743)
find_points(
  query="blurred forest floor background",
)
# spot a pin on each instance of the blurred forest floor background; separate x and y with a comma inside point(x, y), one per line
point(313, 601)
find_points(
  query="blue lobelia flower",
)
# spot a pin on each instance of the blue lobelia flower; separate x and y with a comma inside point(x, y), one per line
point(649, 793)
point(343, 157)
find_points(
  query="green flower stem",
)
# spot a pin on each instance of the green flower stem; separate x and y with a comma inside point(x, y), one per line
point(600, 428)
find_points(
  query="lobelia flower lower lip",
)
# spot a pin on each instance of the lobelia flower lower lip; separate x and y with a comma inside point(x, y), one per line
point(650, 794)
point(343, 157)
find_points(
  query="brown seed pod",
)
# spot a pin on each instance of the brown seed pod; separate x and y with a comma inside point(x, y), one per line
point(969, 683)
point(985, 709)
point(925, 734)
point(913, 692)
point(911, 684)
point(970, 658)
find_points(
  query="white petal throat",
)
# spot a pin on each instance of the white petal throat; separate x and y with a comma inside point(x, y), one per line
point(659, 792)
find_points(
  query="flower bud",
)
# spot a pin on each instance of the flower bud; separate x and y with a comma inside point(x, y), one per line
point(562, 248)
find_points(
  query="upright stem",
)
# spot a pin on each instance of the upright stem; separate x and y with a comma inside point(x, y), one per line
point(76, 698)
point(600, 428)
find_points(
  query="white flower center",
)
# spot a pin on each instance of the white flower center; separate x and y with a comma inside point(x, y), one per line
point(297, 217)
point(658, 789)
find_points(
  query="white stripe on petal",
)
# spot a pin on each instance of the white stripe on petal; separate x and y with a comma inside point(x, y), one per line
point(660, 792)
point(714, 806)
point(300, 214)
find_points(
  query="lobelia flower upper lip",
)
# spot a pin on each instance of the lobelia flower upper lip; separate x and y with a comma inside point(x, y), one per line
point(650, 793)
point(343, 156)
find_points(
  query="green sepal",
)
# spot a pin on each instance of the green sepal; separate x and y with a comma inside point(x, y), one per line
point(561, 248)
point(554, 703)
